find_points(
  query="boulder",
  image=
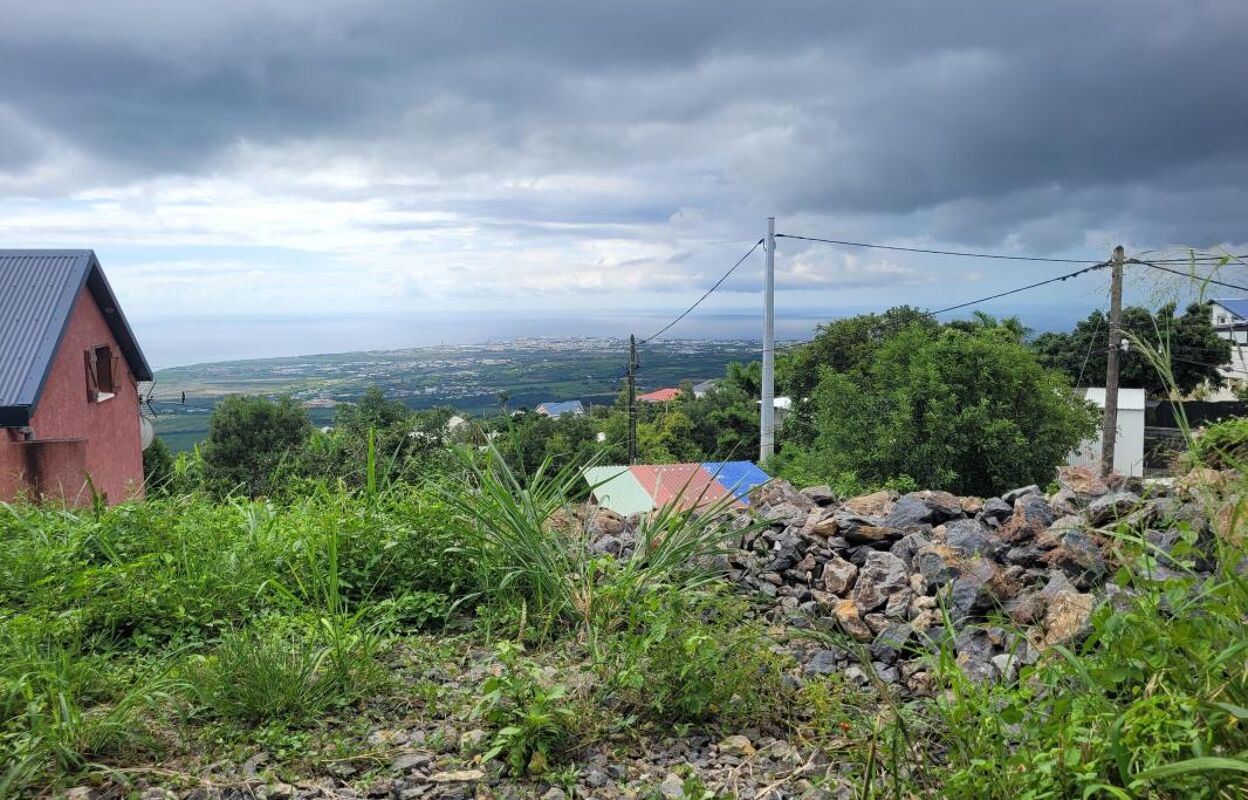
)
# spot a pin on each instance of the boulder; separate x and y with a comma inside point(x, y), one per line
point(778, 492)
point(604, 522)
point(971, 506)
point(998, 509)
point(876, 504)
point(825, 527)
point(1014, 495)
point(972, 594)
point(1080, 558)
point(1067, 618)
point(923, 508)
point(824, 662)
point(1084, 483)
point(838, 576)
point(881, 575)
point(1064, 503)
point(1031, 516)
point(937, 564)
point(850, 619)
point(891, 642)
point(821, 495)
point(968, 537)
point(907, 546)
point(872, 535)
point(1111, 507)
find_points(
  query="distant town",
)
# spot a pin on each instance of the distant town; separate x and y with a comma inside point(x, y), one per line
point(469, 377)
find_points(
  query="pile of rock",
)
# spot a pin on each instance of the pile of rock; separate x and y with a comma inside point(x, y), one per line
point(893, 571)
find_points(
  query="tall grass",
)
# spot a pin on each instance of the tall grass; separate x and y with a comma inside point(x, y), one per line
point(523, 534)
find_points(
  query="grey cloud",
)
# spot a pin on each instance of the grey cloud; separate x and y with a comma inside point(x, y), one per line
point(976, 121)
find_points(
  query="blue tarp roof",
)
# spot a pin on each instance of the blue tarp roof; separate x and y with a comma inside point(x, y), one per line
point(1236, 305)
point(738, 477)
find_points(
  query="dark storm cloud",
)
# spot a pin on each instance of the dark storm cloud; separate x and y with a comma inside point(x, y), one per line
point(968, 121)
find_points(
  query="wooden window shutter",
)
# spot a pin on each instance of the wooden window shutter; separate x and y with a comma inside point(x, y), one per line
point(93, 388)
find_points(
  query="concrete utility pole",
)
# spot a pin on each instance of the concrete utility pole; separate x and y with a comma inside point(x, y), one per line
point(1109, 429)
point(767, 419)
point(632, 400)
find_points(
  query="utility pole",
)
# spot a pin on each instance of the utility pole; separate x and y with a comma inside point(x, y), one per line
point(767, 419)
point(632, 399)
point(1109, 429)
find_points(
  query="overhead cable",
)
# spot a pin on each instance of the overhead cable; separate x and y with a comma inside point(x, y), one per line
point(1056, 279)
point(715, 286)
point(998, 256)
point(1201, 278)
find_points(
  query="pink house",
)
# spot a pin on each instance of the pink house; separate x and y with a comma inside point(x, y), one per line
point(69, 374)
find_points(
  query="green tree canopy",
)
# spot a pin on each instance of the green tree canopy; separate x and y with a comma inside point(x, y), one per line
point(249, 439)
point(967, 409)
point(1195, 349)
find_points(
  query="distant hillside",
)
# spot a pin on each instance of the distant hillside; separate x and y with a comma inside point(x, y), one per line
point(468, 377)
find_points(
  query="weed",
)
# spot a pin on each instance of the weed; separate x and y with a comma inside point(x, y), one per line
point(531, 717)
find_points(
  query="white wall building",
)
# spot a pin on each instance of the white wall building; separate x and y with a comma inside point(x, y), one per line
point(1128, 445)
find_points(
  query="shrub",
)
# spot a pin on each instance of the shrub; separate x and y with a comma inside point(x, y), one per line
point(1223, 445)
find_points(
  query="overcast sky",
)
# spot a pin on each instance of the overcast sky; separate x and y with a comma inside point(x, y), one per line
point(287, 157)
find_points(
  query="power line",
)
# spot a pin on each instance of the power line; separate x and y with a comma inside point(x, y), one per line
point(1087, 355)
point(1201, 278)
point(716, 285)
point(1057, 279)
point(998, 256)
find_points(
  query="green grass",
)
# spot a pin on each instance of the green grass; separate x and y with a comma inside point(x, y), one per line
point(188, 628)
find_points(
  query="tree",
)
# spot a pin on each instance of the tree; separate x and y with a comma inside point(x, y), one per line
point(967, 410)
point(1195, 349)
point(844, 346)
point(249, 439)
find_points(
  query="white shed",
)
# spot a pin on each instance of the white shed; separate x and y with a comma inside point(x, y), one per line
point(1129, 445)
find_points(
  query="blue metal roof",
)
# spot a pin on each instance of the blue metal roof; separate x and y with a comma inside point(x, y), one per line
point(554, 410)
point(38, 289)
point(738, 477)
point(1236, 305)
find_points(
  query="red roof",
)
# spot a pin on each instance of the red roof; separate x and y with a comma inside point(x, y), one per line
point(659, 396)
point(690, 483)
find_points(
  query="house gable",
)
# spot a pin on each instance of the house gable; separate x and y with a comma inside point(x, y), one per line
point(39, 290)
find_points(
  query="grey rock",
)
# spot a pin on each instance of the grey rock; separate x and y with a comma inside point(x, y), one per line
point(997, 509)
point(672, 787)
point(1014, 495)
point(907, 546)
point(823, 662)
point(967, 536)
point(821, 495)
point(923, 508)
point(881, 576)
point(1006, 666)
point(890, 643)
point(1031, 516)
point(1110, 507)
point(838, 576)
point(937, 565)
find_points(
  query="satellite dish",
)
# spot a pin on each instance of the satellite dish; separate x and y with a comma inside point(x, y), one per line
point(147, 433)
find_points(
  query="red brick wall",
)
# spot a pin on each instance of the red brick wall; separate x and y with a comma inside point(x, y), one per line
point(114, 457)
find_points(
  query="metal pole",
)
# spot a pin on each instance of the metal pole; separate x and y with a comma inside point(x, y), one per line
point(1109, 429)
point(632, 399)
point(767, 420)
